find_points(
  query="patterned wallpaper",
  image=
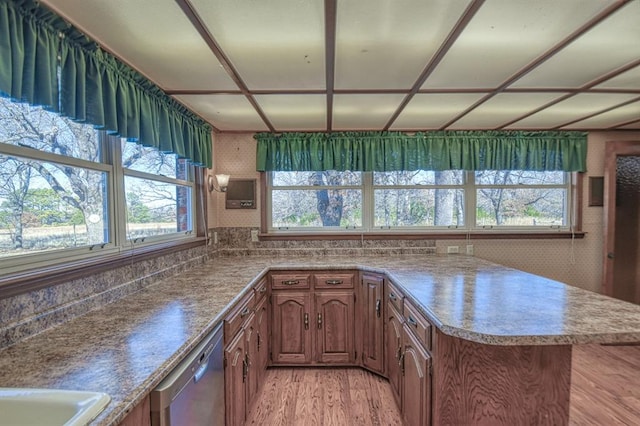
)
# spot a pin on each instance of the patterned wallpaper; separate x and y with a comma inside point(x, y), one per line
point(576, 262)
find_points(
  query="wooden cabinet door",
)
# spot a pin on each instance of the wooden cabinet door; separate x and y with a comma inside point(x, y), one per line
point(394, 351)
point(262, 310)
point(291, 336)
point(235, 373)
point(372, 322)
point(251, 359)
point(416, 391)
point(334, 324)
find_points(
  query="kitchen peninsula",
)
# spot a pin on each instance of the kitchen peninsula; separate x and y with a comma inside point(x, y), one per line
point(478, 309)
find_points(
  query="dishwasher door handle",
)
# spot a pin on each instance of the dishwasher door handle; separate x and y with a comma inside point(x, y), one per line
point(201, 370)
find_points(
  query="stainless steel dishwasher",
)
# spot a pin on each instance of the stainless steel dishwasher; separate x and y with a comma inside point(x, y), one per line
point(193, 393)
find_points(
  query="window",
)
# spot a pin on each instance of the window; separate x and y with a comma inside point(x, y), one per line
point(68, 191)
point(418, 200)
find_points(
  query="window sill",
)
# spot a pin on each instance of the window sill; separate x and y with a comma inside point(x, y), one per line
point(350, 235)
point(35, 279)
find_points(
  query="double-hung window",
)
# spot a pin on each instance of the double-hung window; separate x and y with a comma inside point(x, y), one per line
point(421, 201)
point(69, 191)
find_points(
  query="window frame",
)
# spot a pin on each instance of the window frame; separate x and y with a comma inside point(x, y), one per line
point(20, 272)
point(573, 211)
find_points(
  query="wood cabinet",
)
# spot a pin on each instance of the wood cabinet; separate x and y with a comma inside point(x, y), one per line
point(394, 351)
point(290, 334)
point(372, 322)
point(335, 331)
point(415, 365)
point(313, 318)
point(235, 376)
point(245, 356)
point(409, 361)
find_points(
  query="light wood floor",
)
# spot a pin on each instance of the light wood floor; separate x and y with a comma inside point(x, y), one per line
point(605, 390)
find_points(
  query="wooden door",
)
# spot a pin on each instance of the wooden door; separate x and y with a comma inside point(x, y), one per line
point(372, 323)
point(235, 372)
point(251, 358)
point(416, 383)
point(621, 270)
point(335, 331)
point(262, 310)
point(291, 336)
point(394, 351)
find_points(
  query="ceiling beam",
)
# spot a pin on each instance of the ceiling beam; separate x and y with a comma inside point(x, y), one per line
point(453, 35)
point(542, 58)
point(330, 22)
point(568, 123)
point(197, 22)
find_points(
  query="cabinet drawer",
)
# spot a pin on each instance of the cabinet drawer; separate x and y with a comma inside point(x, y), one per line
point(290, 281)
point(238, 315)
point(418, 324)
point(394, 296)
point(334, 280)
point(260, 290)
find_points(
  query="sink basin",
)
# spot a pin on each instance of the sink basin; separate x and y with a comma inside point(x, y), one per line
point(33, 407)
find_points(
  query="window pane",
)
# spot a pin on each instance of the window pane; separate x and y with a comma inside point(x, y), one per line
point(519, 177)
point(156, 208)
point(418, 207)
point(29, 126)
point(521, 207)
point(308, 208)
point(326, 178)
point(49, 206)
point(150, 160)
point(419, 177)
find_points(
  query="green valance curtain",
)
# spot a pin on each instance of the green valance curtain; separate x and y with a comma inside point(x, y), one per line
point(439, 150)
point(92, 86)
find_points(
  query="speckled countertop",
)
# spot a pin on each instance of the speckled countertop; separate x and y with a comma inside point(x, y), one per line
point(126, 348)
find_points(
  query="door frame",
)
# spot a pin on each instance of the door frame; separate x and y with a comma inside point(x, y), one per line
point(613, 150)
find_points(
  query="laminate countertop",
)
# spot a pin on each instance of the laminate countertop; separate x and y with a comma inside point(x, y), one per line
point(126, 348)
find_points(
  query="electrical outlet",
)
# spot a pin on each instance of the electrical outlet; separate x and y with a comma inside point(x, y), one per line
point(470, 249)
point(254, 235)
point(453, 249)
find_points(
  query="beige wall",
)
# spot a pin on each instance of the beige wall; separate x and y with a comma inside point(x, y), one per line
point(577, 262)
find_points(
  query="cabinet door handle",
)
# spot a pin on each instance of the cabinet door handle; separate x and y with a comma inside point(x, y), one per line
point(244, 369)
point(399, 354)
point(291, 282)
point(306, 321)
point(319, 320)
point(263, 289)
point(244, 312)
point(412, 321)
point(392, 297)
point(258, 334)
point(378, 303)
point(333, 282)
point(401, 363)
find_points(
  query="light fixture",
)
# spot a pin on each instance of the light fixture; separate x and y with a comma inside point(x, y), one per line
point(223, 182)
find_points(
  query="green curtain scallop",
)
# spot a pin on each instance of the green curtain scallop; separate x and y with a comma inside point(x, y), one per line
point(442, 150)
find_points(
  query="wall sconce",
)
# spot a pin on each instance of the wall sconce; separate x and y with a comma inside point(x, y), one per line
point(223, 182)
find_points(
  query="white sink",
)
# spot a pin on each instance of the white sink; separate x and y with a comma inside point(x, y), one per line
point(49, 407)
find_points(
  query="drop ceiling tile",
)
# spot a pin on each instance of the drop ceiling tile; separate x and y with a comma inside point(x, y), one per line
point(225, 112)
point(154, 36)
point(273, 44)
point(632, 126)
point(295, 112)
point(571, 109)
point(504, 36)
point(629, 80)
point(431, 111)
point(611, 118)
point(364, 112)
point(606, 47)
point(503, 108)
point(382, 45)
